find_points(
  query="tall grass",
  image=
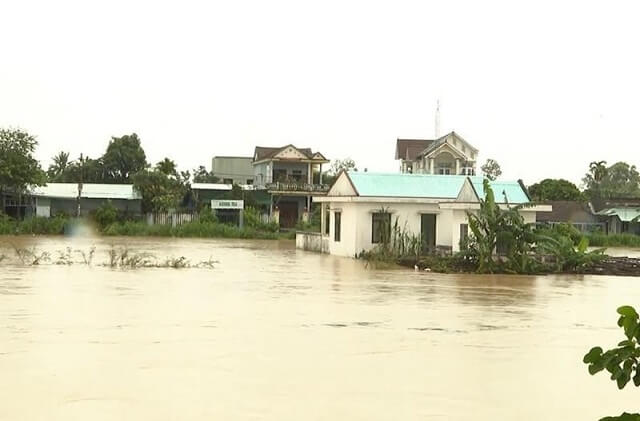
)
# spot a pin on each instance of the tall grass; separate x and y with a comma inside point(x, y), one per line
point(613, 240)
point(33, 225)
point(197, 229)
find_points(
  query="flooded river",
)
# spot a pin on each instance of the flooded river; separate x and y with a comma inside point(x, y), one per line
point(271, 333)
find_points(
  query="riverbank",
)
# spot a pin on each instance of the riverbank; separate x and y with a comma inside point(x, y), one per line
point(196, 229)
point(608, 265)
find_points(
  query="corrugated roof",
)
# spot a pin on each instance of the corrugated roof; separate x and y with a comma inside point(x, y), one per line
point(625, 214)
point(89, 191)
point(430, 186)
point(512, 190)
point(407, 185)
point(219, 186)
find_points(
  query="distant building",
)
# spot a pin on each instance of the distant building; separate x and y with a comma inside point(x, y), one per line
point(621, 215)
point(579, 214)
point(62, 198)
point(446, 155)
point(360, 209)
point(291, 175)
point(233, 169)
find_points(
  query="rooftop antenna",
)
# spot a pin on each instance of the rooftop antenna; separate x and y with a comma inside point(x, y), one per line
point(437, 119)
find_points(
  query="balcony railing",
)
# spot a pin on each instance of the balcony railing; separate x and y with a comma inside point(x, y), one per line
point(291, 186)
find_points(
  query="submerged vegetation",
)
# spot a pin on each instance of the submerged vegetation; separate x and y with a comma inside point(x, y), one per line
point(117, 258)
point(499, 242)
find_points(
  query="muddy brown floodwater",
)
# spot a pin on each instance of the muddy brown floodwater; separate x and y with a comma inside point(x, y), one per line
point(272, 333)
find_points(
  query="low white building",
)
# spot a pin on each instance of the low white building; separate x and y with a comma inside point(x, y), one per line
point(360, 206)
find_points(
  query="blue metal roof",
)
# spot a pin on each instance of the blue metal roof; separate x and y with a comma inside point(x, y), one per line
point(430, 186)
point(512, 189)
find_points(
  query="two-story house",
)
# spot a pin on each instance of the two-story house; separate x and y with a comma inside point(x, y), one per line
point(291, 175)
point(447, 155)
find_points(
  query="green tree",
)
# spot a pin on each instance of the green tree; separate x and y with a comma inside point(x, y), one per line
point(168, 167)
point(554, 189)
point(84, 169)
point(623, 361)
point(201, 175)
point(60, 164)
point(491, 169)
point(620, 180)
point(123, 158)
point(159, 191)
point(338, 165)
point(18, 167)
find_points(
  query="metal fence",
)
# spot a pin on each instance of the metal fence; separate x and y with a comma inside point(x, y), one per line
point(170, 218)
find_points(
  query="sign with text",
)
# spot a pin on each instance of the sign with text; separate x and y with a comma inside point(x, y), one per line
point(227, 204)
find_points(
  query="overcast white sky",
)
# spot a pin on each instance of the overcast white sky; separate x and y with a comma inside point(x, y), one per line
point(544, 87)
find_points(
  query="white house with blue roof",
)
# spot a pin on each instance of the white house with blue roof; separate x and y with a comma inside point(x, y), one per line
point(361, 206)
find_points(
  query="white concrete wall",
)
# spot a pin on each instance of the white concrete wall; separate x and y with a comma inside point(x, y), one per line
point(357, 224)
point(348, 232)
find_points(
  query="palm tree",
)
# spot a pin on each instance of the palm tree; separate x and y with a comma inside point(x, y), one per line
point(59, 165)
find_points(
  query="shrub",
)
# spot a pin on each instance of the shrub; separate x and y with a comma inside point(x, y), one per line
point(106, 214)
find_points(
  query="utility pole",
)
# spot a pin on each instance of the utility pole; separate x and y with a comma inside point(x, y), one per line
point(80, 185)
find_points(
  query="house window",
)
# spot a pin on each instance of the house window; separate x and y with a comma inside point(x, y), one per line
point(227, 180)
point(444, 171)
point(337, 216)
point(249, 181)
point(464, 235)
point(380, 227)
point(279, 175)
point(327, 219)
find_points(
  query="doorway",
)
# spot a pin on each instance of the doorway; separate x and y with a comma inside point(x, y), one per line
point(428, 232)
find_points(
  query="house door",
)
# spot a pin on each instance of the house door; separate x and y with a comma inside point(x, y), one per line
point(288, 214)
point(428, 231)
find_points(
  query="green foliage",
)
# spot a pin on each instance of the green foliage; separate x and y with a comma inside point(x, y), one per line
point(338, 165)
point(623, 361)
point(18, 167)
point(207, 215)
point(397, 243)
point(167, 167)
point(106, 214)
point(491, 169)
point(192, 229)
point(123, 158)
point(492, 228)
point(253, 220)
point(613, 240)
point(160, 192)
point(555, 189)
point(569, 257)
point(620, 180)
point(34, 225)
point(60, 164)
point(201, 175)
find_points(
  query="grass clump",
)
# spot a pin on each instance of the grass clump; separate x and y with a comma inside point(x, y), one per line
point(195, 229)
point(613, 240)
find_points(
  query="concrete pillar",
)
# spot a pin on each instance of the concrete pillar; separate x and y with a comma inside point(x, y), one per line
point(323, 222)
point(320, 177)
point(458, 166)
point(432, 165)
point(241, 219)
point(309, 174)
point(305, 215)
point(275, 215)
